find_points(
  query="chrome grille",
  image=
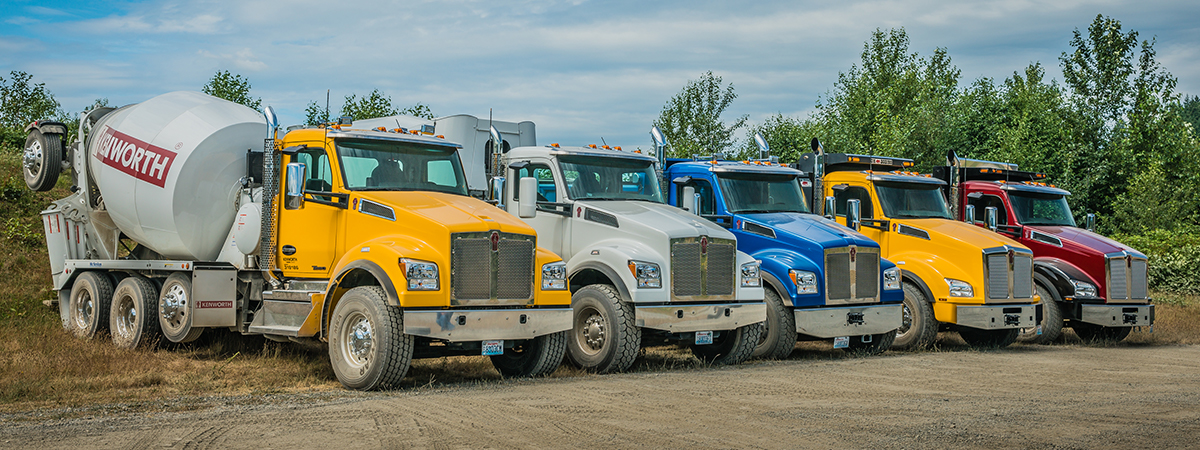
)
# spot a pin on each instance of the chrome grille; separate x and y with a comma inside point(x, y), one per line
point(1137, 280)
point(479, 275)
point(1022, 276)
point(1117, 284)
point(703, 269)
point(997, 276)
point(851, 279)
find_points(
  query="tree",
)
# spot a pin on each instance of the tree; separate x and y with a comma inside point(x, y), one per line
point(1190, 111)
point(420, 110)
point(788, 137)
point(22, 102)
point(315, 114)
point(231, 87)
point(691, 120)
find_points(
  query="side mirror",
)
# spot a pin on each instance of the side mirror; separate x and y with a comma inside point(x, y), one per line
point(989, 217)
point(689, 199)
point(853, 214)
point(830, 207)
point(293, 195)
point(969, 214)
point(1090, 222)
point(527, 204)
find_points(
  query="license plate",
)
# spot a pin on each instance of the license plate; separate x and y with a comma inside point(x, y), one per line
point(491, 348)
point(703, 337)
point(1039, 333)
point(841, 342)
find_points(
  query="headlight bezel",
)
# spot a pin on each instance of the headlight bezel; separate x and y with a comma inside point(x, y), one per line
point(554, 276)
point(750, 274)
point(805, 281)
point(646, 274)
point(959, 288)
point(1084, 289)
point(421, 275)
point(891, 279)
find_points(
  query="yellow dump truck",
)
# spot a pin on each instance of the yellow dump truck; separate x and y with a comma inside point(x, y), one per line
point(956, 276)
point(184, 219)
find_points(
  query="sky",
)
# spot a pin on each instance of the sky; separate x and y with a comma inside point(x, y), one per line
point(583, 71)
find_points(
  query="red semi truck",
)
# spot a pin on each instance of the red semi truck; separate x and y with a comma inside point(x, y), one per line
point(1098, 284)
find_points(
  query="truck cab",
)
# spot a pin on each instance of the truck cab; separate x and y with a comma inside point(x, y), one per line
point(1098, 285)
point(640, 270)
point(955, 276)
point(822, 280)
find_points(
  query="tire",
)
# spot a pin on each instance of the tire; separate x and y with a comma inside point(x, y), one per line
point(133, 319)
point(604, 337)
point(918, 329)
point(175, 307)
point(1098, 334)
point(879, 343)
point(989, 338)
point(732, 347)
point(778, 337)
point(367, 345)
point(1052, 319)
point(532, 358)
point(42, 160)
point(90, 298)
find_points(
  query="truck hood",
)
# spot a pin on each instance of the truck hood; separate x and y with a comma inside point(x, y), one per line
point(640, 218)
point(425, 211)
point(958, 236)
point(1084, 239)
point(810, 228)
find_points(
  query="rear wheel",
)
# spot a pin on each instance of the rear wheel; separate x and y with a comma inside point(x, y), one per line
point(89, 304)
point(989, 338)
point(42, 160)
point(1052, 319)
point(604, 337)
point(175, 308)
point(918, 328)
point(133, 320)
point(732, 347)
point(1098, 334)
point(367, 345)
point(879, 343)
point(532, 358)
point(778, 337)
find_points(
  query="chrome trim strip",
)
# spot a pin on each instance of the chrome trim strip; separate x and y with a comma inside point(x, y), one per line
point(391, 212)
point(711, 317)
point(834, 322)
point(487, 324)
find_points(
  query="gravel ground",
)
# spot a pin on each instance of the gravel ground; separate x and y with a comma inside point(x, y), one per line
point(1064, 396)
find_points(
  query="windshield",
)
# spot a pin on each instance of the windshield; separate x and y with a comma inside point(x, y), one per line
point(761, 193)
point(601, 178)
point(912, 200)
point(380, 165)
point(1041, 209)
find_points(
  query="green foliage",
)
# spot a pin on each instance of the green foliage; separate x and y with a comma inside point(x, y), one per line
point(1174, 258)
point(691, 120)
point(231, 87)
point(315, 114)
point(788, 138)
point(375, 104)
point(1190, 112)
point(22, 102)
point(420, 110)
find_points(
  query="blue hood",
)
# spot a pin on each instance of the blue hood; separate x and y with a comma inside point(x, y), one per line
point(817, 231)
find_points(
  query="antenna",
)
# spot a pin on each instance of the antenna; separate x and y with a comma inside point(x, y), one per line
point(327, 105)
point(602, 141)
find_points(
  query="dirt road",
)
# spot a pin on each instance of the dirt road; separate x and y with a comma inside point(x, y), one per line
point(1021, 397)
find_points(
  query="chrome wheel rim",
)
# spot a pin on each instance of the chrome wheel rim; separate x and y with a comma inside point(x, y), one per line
point(126, 317)
point(173, 307)
point(358, 340)
point(33, 159)
point(906, 320)
point(592, 331)
point(83, 309)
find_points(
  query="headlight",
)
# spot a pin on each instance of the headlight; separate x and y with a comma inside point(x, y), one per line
point(891, 278)
point(421, 275)
point(959, 288)
point(554, 276)
point(647, 274)
point(806, 282)
point(750, 276)
point(1084, 289)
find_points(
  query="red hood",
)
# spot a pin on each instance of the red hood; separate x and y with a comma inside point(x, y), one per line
point(1085, 238)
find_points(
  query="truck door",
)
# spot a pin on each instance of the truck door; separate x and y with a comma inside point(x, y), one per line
point(551, 227)
point(308, 236)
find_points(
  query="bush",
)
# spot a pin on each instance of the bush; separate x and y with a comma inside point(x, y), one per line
point(1174, 258)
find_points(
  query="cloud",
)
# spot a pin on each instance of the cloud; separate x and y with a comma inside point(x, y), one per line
point(243, 59)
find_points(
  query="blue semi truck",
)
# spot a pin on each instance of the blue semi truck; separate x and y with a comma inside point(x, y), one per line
point(822, 280)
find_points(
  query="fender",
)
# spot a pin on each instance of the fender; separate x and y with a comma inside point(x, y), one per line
point(608, 272)
point(775, 284)
point(393, 299)
point(47, 127)
point(610, 258)
point(778, 262)
point(909, 276)
point(1060, 273)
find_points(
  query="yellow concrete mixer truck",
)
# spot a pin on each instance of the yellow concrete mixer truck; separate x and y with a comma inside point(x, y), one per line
point(183, 218)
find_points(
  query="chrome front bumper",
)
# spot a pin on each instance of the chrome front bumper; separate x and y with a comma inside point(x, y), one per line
point(709, 317)
point(1117, 315)
point(849, 320)
point(999, 317)
point(486, 324)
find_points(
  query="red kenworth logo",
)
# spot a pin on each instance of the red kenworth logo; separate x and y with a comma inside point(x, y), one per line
point(853, 253)
point(704, 244)
point(495, 241)
point(134, 157)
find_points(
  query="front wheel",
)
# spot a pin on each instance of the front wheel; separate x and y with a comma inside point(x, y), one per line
point(42, 160)
point(778, 337)
point(732, 347)
point(1052, 319)
point(367, 345)
point(89, 304)
point(989, 338)
point(918, 328)
point(878, 343)
point(533, 357)
point(1098, 334)
point(604, 337)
